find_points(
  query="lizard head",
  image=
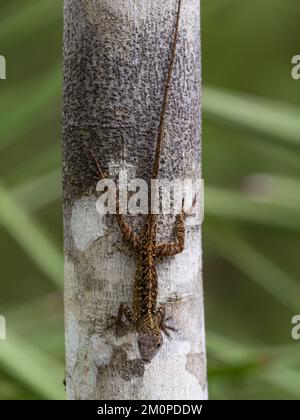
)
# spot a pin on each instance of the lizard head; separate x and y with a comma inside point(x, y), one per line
point(149, 343)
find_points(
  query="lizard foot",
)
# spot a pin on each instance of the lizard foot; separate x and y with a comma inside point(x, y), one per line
point(163, 321)
point(191, 211)
point(167, 328)
point(120, 327)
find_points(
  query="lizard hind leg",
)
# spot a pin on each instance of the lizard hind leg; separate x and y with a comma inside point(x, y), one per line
point(126, 230)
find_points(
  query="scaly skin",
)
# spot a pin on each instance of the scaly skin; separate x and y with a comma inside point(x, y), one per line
point(147, 318)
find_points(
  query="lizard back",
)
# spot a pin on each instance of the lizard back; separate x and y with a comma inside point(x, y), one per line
point(146, 284)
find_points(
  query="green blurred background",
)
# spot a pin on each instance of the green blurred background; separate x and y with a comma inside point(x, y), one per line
point(251, 145)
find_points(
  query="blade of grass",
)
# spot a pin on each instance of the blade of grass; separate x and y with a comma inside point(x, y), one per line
point(274, 370)
point(235, 206)
point(277, 120)
point(27, 311)
point(17, 120)
point(217, 6)
point(31, 238)
point(48, 159)
point(284, 378)
point(229, 350)
point(274, 152)
point(27, 20)
point(280, 189)
point(31, 367)
point(39, 192)
point(40, 320)
point(254, 265)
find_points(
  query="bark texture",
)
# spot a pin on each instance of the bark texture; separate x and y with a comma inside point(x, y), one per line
point(116, 56)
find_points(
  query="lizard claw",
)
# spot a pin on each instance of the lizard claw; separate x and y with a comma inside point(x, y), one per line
point(190, 212)
point(166, 328)
point(101, 174)
point(163, 321)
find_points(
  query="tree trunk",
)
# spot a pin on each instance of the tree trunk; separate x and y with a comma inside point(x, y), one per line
point(116, 57)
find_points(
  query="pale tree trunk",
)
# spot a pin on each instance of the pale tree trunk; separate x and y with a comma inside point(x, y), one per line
point(117, 54)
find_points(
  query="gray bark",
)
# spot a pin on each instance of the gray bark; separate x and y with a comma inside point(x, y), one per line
point(116, 56)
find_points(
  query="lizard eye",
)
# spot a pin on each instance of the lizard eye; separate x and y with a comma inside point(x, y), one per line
point(158, 345)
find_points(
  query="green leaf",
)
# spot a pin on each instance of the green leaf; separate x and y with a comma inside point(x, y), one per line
point(217, 5)
point(273, 212)
point(39, 192)
point(31, 238)
point(37, 165)
point(271, 364)
point(254, 265)
point(277, 120)
point(31, 367)
point(26, 20)
point(16, 120)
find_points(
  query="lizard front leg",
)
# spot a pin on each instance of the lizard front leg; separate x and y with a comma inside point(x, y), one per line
point(173, 248)
point(125, 228)
point(162, 321)
point(125, 311)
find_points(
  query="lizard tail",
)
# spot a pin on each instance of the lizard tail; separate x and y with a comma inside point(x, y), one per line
point(161, 127)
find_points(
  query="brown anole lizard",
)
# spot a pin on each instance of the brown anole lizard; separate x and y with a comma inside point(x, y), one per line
point(146, 316)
